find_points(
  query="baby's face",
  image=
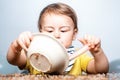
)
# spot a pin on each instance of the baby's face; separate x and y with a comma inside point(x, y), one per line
point(59, 26)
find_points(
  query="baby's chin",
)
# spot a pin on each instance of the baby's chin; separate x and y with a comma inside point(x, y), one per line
point(62, 43)
point(66, 46)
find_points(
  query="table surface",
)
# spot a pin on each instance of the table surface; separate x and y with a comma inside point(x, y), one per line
point(108, 76)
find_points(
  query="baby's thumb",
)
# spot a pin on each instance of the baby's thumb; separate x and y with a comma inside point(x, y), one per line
point(81, 40)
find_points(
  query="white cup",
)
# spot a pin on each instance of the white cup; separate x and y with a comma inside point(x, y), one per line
point(46, 54)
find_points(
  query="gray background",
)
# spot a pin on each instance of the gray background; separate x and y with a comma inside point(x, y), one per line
point(95, 17)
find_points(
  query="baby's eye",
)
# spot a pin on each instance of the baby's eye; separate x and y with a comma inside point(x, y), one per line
point(49, 31)
point(63, 31)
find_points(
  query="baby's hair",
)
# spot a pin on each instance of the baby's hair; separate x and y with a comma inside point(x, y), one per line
point(58, 8)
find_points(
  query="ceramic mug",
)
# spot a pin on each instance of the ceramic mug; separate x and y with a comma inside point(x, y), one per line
point(46, 54)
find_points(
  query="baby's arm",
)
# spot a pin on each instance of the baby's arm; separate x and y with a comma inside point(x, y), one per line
point(16, 54)
point(100, 62)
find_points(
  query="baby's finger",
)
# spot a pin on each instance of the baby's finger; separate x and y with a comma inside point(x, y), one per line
point(82, 41)
point(97, 41)
point(27, 39)
point(30, 35)
point(23, 45)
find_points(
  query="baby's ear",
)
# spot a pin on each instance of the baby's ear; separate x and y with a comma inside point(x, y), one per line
point(75, 34)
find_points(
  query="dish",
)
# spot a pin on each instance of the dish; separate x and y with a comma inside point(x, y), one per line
point(47, 54)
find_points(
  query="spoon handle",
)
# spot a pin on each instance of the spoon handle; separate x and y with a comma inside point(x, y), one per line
point(79, 52)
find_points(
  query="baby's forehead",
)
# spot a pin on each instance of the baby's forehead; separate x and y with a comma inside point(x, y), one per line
point(53, 14)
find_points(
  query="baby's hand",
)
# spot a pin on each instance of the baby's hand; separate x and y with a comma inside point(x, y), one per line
point(22, 42)
point(93, 42)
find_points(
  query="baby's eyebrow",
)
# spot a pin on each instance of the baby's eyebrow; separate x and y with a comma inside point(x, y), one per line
point(47, 27)
point(65, 26)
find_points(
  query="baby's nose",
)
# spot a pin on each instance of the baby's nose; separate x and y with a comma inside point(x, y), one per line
point(57, 35)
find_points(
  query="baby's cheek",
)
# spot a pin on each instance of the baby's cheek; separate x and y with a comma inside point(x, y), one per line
point(67, 45)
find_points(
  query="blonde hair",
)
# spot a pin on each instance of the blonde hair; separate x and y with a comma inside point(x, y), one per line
point(58, 8)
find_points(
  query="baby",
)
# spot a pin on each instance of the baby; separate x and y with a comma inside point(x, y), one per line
point(60, 21)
